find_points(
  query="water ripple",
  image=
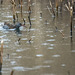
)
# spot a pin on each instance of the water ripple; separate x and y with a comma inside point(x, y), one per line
point(50, 47)
point(56, 55)
point(51, 40)
point(48, 61)
point(20, 68)
point(45, 43)
point(39, 55)
point(13, 62)
point(73, 50)
point(63, 65)
point(19, 50)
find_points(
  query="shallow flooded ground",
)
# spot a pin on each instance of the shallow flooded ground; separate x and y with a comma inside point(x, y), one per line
point(45, 49)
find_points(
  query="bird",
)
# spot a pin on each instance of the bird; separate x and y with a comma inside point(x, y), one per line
point(8, 26)
point(16, 27)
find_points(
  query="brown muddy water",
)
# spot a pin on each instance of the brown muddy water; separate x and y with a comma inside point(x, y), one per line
point(49, 52)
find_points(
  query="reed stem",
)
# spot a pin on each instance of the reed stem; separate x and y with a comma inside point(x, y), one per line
point(12, 72)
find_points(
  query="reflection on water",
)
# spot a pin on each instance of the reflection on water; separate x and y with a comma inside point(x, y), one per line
point(41, 50)
point(56, 56)
point(39, 55)
point(73, 50)
point(19, 68)
point(63, 65)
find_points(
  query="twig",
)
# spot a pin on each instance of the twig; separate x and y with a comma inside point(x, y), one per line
point(67, 7)
point(49, 10)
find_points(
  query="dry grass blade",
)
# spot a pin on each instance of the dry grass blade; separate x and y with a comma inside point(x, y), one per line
point(67, 7)
point(49, 10)
point(62, 33)
point(1, 60)
point(1, 53)
point(52, 8)
point(50, 4)
point(13, 2)
point(12, 72)
point(56, 3)
point(29, 2)
point(17, 16)
point(2, 46)
point(60, 0)
point(21, 3)
point(72, 1)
